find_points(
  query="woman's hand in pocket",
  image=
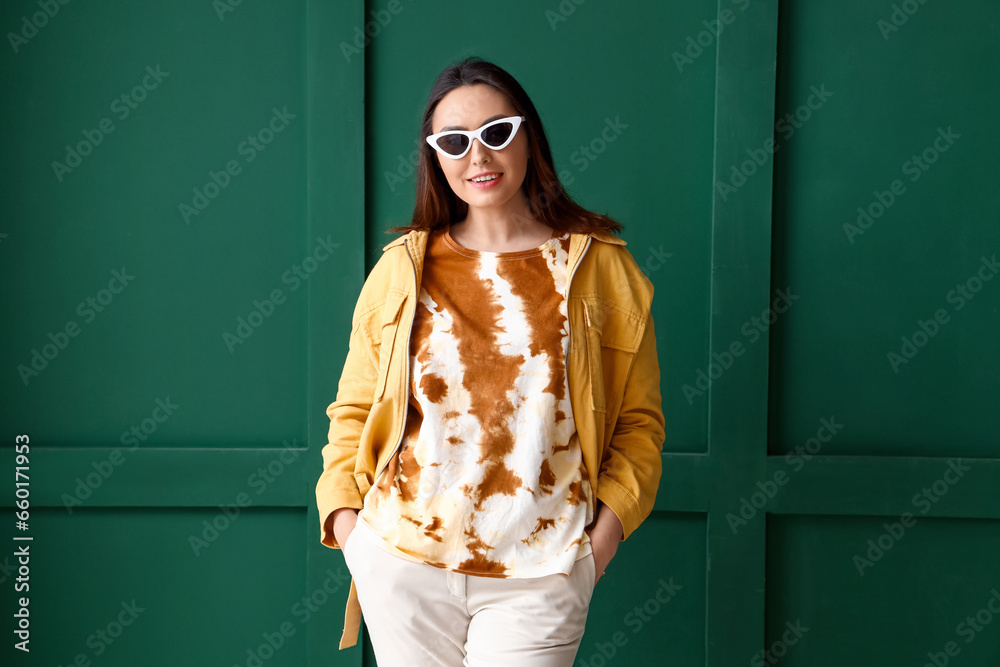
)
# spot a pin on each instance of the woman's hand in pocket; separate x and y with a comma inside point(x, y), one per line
point(604, 547)
point(604, 539)
point(345, 520)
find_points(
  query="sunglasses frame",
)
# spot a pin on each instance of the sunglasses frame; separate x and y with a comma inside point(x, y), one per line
point(476, 134)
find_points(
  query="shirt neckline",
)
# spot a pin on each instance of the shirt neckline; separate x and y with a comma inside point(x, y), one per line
point(509, 254)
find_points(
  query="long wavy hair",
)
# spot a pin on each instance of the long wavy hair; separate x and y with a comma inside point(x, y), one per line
point(436, 204)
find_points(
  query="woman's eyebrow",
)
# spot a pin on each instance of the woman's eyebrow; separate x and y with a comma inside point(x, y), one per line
point(460, 127)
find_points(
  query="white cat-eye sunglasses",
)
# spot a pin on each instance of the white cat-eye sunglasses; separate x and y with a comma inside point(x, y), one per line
point(496, 135)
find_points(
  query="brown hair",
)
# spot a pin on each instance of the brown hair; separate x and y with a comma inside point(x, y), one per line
point(436, 203)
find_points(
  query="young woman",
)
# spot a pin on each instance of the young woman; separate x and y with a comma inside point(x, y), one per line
point(498, 428)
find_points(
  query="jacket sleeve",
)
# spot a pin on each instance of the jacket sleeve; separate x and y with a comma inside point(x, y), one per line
point(337, 487)
point(631, 467)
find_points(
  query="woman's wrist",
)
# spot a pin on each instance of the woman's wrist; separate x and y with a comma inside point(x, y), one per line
point(341, 524)
point(608, 524)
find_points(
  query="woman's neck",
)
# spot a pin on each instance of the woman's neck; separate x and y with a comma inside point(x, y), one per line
point(500, 231)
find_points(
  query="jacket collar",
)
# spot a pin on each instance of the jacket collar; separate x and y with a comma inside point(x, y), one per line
point(607, 237)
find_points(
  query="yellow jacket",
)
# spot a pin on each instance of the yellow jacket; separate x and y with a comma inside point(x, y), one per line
point(619, 418)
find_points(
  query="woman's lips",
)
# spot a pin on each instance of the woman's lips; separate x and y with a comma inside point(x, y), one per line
point(486, 185)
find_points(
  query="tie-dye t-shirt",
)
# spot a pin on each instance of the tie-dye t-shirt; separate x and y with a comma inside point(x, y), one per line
point(489, 478)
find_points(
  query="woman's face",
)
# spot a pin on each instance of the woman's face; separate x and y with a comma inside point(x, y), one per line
point(469, 108)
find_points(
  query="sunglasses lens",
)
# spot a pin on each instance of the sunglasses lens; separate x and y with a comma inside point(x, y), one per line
point(496, 135)
point(453, 144)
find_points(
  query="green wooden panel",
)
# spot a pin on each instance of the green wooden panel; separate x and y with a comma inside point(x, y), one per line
point(84, 477)
point(935, 487)
point(825, 607)
point(740, 290)
point(894, 325)
point(96, 408)
point(124, 587)
point(220, 98)
point(881, 488)
point(684, 485)
point(652, 598)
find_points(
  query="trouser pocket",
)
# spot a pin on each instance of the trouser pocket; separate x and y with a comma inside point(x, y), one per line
point(351, 544)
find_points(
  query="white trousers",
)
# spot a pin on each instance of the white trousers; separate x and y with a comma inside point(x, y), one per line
point(419, 615)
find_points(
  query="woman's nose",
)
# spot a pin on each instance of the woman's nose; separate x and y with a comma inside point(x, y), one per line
point(478, 151)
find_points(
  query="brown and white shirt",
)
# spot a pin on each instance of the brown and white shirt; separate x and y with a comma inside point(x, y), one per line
point(489, 478)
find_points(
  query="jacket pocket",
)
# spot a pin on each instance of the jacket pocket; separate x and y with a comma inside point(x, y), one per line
point(390, 326)
point(364, 482)
point(613, 337)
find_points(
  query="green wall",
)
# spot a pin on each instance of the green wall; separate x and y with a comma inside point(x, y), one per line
point(179, 286)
